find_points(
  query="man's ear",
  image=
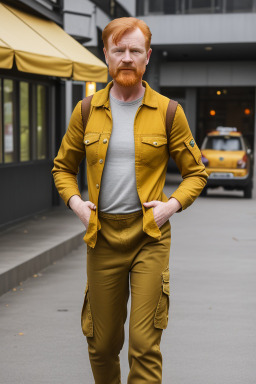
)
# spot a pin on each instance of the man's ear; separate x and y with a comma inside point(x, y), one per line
point(106, 55)
point(148, 55)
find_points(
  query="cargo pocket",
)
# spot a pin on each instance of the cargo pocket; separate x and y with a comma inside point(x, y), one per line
point(162, 310)
point(86, 315)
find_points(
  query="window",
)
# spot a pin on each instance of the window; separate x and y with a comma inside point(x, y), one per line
point(24, 122)
point(200, 3)
point(224, 143)
point(9, 138)
point(41, 122)
point(203, 6)
point(167, 7)
point(153, 7)
point(172, 7)
point(239, 6)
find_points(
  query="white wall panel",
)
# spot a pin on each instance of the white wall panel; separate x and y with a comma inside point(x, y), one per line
point(202, 29)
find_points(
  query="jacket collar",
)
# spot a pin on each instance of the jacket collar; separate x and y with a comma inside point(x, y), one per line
point(101, 98)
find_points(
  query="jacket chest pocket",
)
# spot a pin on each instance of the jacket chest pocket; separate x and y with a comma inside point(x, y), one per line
point(91, 142)
point(153, 150)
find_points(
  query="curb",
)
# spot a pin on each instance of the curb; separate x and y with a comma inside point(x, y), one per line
point(21, 272)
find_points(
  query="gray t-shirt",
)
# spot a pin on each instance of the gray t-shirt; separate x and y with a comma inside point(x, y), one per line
point(118, 191)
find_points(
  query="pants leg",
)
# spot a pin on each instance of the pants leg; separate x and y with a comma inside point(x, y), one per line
point(108, 282)
point(108, 291)
point(149, 309)
point(124, 250)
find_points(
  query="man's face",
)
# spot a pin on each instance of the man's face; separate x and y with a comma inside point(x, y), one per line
point(128, 59)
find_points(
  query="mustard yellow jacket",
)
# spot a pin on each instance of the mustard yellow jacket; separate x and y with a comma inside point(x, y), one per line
point(151, 156)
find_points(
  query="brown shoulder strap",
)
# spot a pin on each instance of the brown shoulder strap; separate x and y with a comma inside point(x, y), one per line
point(170, 113)
point(85, 109)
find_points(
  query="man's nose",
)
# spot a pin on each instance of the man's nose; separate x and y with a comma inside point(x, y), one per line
point(127, 58)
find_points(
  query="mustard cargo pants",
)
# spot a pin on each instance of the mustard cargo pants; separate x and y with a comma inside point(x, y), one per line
point(123, 254)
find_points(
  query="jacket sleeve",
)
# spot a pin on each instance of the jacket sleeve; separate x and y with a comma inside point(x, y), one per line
point(187, 156)
point(70, 155)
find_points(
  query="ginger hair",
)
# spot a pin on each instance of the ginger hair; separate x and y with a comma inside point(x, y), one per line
point(118, 27)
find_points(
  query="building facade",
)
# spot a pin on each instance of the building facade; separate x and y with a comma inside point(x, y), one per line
point(36, 97)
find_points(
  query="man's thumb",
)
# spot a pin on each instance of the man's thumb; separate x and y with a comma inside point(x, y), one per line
point(92, 206)
point(150, 203)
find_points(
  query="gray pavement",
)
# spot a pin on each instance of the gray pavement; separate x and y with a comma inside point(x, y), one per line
point(211, 333)
point(35, 243)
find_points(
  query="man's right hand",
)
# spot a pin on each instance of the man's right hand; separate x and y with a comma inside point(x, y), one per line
point(81, 208)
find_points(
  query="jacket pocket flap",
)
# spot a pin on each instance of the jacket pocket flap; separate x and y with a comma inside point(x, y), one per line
point(91, 138)
point(154, 141)
point(193, 148)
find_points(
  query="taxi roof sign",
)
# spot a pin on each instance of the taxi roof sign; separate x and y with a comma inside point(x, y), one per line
point(226, 129)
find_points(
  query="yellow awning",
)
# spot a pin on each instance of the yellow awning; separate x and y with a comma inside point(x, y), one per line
point(42, 47)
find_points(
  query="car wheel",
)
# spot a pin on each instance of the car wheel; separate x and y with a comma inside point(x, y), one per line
point(248, 192)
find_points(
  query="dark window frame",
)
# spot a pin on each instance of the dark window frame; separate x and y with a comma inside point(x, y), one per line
point(186, 7)
point(32, 118)
point(46, 123)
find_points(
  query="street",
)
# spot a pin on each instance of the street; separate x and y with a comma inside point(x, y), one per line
point(211, 335)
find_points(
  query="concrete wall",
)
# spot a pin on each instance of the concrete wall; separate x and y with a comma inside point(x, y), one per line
point(77, 18)
point(202, 29)
point(197, 74)
point(99, 19)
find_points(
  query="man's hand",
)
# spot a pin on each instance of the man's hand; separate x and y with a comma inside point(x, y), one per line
point(81, 208)
point(163, 211)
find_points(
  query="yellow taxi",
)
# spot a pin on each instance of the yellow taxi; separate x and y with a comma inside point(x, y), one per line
point(228, 161)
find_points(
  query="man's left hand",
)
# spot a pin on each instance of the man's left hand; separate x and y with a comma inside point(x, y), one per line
point(163, 211)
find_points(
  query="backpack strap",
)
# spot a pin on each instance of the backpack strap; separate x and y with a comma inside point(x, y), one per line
point(85, 109)
point(170, 113)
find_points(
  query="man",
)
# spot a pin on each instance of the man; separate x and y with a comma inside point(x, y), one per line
point(127, 215)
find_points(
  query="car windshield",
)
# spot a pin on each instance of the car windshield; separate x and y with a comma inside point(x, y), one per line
point(225, 143)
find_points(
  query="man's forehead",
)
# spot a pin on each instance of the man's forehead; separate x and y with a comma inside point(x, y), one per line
point(130, 38)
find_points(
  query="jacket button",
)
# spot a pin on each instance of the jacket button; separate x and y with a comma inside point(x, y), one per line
point(105, 141)
point(101, 161)
point(97, 186)
point(155, 142)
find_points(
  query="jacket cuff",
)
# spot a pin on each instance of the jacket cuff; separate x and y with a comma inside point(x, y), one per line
point(183, 199)
point(69, 192)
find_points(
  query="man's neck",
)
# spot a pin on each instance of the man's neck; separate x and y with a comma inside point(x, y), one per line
point(127, 93)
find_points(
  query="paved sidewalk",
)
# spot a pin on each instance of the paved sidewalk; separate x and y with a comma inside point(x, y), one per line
point(35, 243)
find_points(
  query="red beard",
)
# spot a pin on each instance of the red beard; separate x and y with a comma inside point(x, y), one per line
point(127, 78)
